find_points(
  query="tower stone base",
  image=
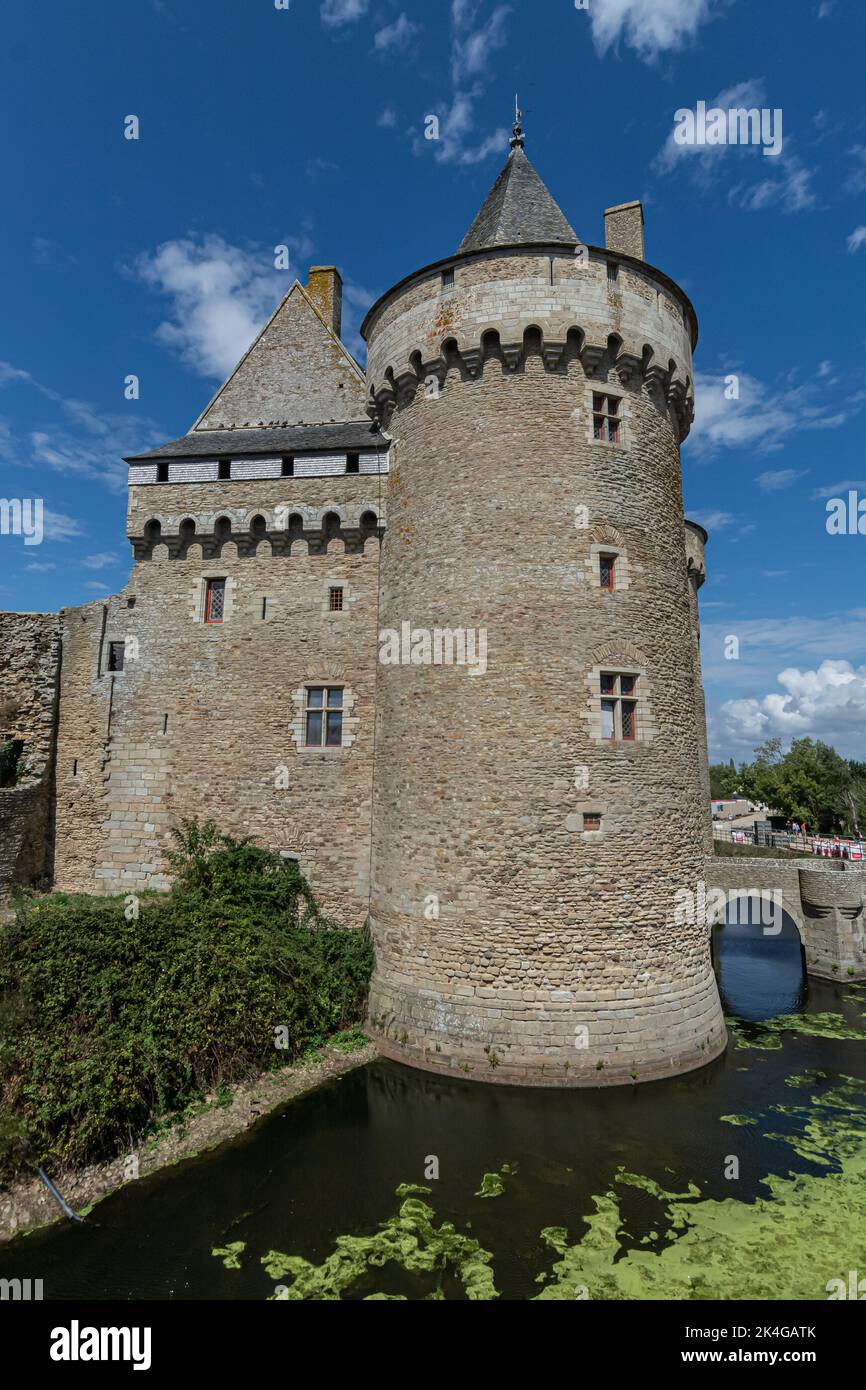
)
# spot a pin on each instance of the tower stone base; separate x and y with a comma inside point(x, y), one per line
point(638, 1005)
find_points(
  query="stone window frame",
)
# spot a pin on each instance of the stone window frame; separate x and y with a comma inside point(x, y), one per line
point(199, 597)
point(589, 806)
point(351, 721)
point(350, 598)
point(625, 661)
point(621, 569)
point(604, 388)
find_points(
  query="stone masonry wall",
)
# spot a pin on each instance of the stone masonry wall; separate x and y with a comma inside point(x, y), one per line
point(513, 942)
point(29, 666)
point(202, 721)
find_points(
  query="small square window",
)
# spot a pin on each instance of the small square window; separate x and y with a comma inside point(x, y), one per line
point(116, 653)
point(335, 600)
point(214, 602)
point(448, 279)
point(592, 820)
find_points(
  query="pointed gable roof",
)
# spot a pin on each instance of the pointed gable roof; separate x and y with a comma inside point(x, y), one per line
point(297, 371)
point(519, 209)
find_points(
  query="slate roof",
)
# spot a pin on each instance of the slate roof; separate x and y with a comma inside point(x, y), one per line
point(519, 209)
point(297, 439)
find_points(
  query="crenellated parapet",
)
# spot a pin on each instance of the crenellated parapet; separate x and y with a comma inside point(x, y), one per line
point(613, 319)
point(276, 530)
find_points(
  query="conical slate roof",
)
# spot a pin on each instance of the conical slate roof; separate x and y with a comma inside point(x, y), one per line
point(518, 209)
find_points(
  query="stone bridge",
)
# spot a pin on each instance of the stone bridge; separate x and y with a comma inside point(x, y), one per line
point(824, 899)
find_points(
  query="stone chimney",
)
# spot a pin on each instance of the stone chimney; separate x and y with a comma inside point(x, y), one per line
point(325, 288)
point(623, 229)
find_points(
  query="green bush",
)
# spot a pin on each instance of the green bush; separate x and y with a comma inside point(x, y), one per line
point(108, 1024)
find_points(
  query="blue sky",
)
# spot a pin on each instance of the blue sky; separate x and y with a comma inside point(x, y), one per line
point(304, 126)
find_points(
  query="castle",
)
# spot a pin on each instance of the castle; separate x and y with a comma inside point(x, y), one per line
point(319, 565)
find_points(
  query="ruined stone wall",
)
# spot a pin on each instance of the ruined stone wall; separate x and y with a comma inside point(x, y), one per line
point(29, 665)
point(543, 927)
point(205, 719)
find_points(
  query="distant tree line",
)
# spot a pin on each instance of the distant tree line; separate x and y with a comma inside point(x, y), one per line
point(811, 784)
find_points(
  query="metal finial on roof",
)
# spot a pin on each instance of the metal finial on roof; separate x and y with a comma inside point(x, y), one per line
point(518, 139)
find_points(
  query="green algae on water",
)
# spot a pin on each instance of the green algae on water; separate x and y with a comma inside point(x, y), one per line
point(788, 1245)
point(230, 1254)
point(491, 1186)
point(768, 1033)
point(410, 1240)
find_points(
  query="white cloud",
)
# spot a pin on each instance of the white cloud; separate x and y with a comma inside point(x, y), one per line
point(85, 441)
point(58, 527)
point(856, 240)
point(472, 49)
point(776, 479)
point(856, 179)
point(397, 36)
point(749, 93)
point(100, 560)
point(97, 588)
point(649, 28)
point(38, 568)
point(388, 118)
point(220, 294)
point(837, 489)
point(786, 183)
point(764, 417)
point(788, 188)
point(828, 703)
point(712, 520)
point(335, 13)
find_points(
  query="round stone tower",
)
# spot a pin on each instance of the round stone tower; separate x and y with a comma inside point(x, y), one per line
point(540, 823)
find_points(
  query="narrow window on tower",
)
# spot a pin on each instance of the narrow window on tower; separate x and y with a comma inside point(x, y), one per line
point(352, 463)
point(323, 716)
point(115, 656)
point(264, 608)
point(214, 600)
point(606, 420)
point(448, 279)
point(618, 706)
point(335, 600)
point(606, 571)
point(612, 271)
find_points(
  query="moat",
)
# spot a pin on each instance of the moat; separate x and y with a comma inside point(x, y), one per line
point(611, 1193)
